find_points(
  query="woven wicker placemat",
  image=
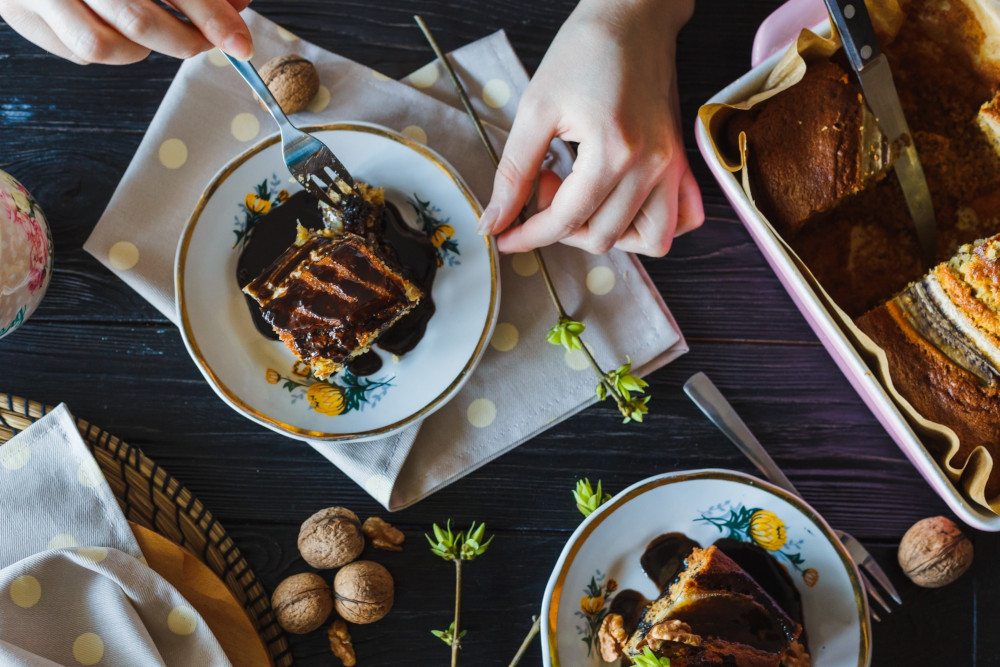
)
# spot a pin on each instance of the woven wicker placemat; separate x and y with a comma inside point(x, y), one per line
point(152, 498)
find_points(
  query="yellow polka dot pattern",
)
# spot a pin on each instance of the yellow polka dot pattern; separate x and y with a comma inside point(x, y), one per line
point(25, 591)
point(182, 621)
point(88, 649)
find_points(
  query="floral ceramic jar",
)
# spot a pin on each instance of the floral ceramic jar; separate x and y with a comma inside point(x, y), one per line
point(25, 254)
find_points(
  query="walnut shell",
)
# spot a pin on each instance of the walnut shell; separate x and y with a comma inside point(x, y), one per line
point(292, 80)
point(330, 538)
point(302, 603)
point(934, 552)
point(363, 592)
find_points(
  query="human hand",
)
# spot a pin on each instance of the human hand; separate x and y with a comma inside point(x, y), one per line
point(117, 32)
point(607, 82)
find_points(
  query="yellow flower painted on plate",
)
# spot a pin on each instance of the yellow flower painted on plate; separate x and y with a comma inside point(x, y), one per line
point(767, 530)
point(282, 196)
point(441, 234)
point(272, 376)
point(326, 398)
point(612, 586)
point(255, 204)
point(591, 605)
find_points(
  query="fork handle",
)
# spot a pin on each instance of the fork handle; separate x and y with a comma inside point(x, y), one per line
point(252, 77)
point(710, 400)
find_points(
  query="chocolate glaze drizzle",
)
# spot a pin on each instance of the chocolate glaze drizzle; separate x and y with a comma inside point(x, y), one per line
point(410, 251)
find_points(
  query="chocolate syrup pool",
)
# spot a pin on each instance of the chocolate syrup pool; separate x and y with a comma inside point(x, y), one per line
point(412, 251)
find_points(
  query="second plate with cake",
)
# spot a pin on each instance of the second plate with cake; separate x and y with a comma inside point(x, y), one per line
point(248, 217)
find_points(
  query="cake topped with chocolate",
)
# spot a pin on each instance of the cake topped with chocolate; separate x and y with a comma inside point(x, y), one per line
point(329, 297)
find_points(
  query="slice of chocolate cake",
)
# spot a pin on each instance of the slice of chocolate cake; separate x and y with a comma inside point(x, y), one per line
point(941, 336)
point(330, 297)
point(716, 614)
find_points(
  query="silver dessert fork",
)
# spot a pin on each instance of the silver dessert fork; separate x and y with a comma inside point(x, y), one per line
point(308, 159)
point(710, 400)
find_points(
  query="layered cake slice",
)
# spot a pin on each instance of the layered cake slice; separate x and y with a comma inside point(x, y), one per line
point(941, 336)
point(329, 297)
point(715, 613)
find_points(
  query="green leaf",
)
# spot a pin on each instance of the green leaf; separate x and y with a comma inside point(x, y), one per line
point(650, 659)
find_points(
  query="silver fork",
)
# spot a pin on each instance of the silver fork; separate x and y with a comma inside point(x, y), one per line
point(308, 159)
point(710, 400)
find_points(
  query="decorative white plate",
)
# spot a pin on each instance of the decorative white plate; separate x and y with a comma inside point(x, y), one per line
point(602, 556)
point(259, 377)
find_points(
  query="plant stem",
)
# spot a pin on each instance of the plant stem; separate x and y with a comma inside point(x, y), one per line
point(535, 627)
point(458, 599)
point(464, 97)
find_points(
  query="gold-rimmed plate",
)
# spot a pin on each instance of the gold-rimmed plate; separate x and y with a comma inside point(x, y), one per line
point(602, 556)
point(258, 376)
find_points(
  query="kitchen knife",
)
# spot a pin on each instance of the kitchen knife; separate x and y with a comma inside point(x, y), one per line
point(862, 50)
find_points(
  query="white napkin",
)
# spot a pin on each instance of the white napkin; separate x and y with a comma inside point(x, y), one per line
point(74, 589)
point(523, 385)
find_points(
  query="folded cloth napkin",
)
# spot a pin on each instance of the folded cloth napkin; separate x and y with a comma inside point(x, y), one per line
point(74, 588)
point(523, 385)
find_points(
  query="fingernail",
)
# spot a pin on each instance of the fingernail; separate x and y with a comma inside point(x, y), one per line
point(488, 219)
point(238, 46)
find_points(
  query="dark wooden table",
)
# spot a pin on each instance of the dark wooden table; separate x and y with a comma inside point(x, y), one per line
point(68, 134)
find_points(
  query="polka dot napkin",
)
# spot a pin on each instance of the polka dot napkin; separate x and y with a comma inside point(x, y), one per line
point(74, 588)
point(208, 116)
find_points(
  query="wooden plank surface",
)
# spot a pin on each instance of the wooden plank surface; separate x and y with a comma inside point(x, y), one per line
point(68, 134)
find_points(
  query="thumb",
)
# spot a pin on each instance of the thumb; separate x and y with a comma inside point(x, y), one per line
point(522, 158)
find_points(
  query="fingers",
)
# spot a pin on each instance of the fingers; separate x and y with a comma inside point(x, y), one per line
point(522, 158)
point(86, 36)
point(616, 213)
point(582, 192)
point(221, 25)
point(151, 26)
point(653, 229)
point(33, 28)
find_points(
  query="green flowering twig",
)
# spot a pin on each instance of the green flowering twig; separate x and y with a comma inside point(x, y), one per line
point(457, 547)
point(562, 333)
point(587, 499)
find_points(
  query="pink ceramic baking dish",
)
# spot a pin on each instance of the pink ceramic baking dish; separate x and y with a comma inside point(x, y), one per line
point(774, 36)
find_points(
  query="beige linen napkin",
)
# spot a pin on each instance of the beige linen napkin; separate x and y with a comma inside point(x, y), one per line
point(523, 385)
point(74, 589)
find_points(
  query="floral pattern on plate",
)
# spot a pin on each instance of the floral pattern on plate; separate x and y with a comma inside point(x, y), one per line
point(334, 396)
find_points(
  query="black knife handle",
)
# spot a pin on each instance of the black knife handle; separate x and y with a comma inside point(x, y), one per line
point(856, 31)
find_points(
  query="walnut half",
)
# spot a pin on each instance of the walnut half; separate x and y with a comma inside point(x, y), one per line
point(340, 643)
point(611, 635)
point(383, 535)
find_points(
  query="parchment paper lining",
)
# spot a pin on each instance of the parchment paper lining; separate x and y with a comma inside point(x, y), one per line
point(973, 473)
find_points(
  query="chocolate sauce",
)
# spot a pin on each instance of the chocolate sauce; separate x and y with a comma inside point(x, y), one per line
point(630, 604)
point(664, 557)
point(270, 237)
point(409, 250)
point(769, 574)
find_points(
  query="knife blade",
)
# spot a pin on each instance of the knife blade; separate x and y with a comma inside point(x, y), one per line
point(861, 47)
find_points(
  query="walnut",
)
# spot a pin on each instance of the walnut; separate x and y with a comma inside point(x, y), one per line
point(383, 535)
point(795, 655)
point(363, 592)
point(674, 631)
point(340, 643)
point(292, 80)
point(934, 552)
point(611, 635)
point(302, 603)
point(331, 538)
